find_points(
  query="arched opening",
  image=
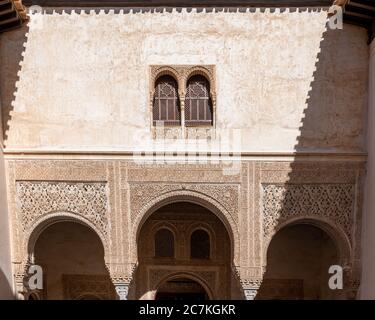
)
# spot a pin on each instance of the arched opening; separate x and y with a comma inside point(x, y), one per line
point(181, 289)
point(164, 244)
point(192, 225)
point(166, 107)
point(298, 261)
point(198, 105)
point(200, 245)
point(72, 259)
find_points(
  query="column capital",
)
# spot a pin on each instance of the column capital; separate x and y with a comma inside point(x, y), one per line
point(250, 294)
point(122, 290)
point(251, 287)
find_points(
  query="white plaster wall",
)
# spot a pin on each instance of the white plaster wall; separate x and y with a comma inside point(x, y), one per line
point(367, 290)
point(84, 81)
point(6, 291)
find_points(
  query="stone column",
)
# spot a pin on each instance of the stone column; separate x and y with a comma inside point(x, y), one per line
point(182, 106)
point(251, 287)
point(121, 276)
point(213, 100)
point(20, 279)
point(20, 290)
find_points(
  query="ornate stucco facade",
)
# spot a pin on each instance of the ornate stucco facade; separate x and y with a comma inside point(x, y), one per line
point(286, 147)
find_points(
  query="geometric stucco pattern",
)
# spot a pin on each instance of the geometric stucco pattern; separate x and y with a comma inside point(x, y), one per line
point(88, 200)
point(142, 194)
point(77, 287)
point(259, 195)
point(282, 202)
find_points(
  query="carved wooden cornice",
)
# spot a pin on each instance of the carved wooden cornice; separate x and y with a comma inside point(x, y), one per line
point(12, 14)
point(21, 9)
point(180, 3)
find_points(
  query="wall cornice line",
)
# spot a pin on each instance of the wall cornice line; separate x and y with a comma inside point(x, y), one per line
point(129, 155)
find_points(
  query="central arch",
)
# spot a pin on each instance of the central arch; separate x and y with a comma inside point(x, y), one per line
point(185, 241)
point(196, 198)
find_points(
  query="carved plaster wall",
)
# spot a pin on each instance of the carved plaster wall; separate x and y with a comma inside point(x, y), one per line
point(78, 287)
point(115, 197)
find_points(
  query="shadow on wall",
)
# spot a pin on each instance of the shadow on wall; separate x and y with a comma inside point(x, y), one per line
point(72, 259)
point(12, 48)
point(321, 195)
point(5, 289)
point(313, 225)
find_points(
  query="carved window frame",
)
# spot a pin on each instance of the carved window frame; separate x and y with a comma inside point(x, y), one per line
point(182, 74)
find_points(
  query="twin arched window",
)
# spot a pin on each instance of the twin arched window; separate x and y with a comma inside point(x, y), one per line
point(199, 244)
point(198, 107)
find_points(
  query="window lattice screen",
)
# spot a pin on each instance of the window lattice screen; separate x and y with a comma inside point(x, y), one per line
point(198, 108)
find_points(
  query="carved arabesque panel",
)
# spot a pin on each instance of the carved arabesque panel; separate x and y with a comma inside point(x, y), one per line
point(141, 194)
point(77, 287)
point(282, 202)
point(39, 198)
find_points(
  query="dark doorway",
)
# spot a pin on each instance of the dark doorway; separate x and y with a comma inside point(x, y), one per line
point(181, 289)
